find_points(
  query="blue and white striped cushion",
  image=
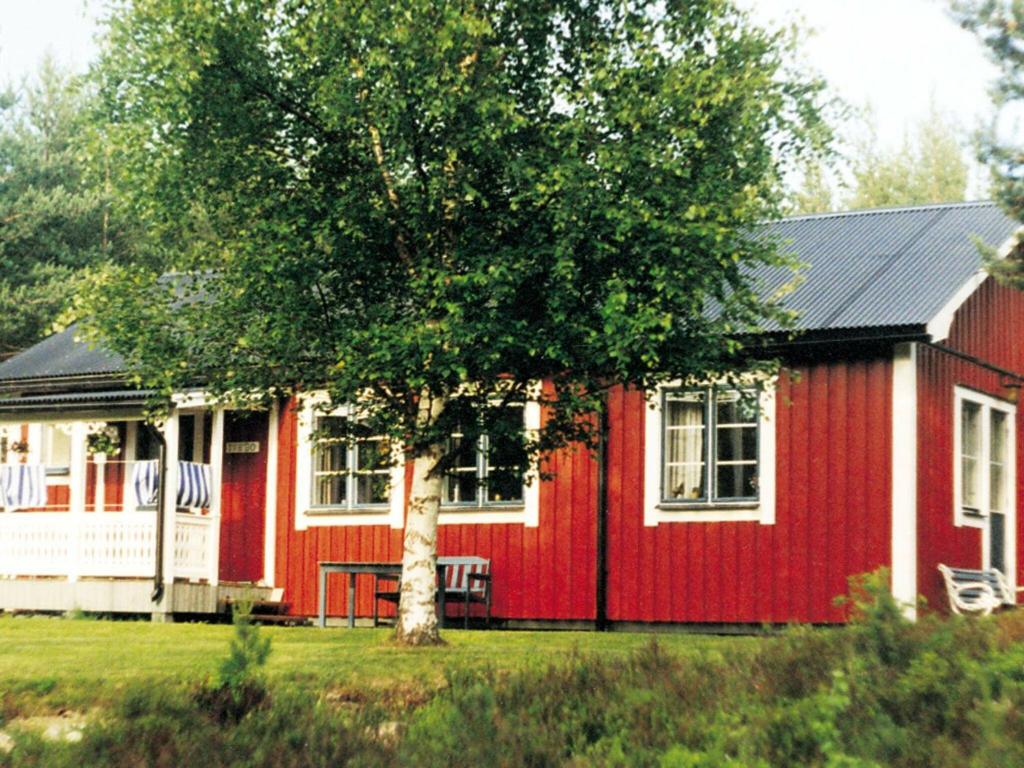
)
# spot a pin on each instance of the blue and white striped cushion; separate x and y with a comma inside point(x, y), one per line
point(22, 485)
point(193, 484)
point(145, 481)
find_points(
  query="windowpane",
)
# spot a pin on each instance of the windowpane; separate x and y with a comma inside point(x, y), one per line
point(329, 489)
point(734, 407)
point(465, 453)
point(373, 488)
point(970, 454)
point(505, 485)
point(736, 443)
point(331, 457)
point(684, 482)
point(685, 446)
point(506, 461)
point(371, 455)
point(462, 487)
point(997, 461)
point(330, 462)
point(736, 481)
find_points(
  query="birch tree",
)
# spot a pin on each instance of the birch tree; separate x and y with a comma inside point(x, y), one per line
point(428, 208)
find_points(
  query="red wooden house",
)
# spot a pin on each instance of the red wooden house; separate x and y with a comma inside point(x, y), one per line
point(890, 439)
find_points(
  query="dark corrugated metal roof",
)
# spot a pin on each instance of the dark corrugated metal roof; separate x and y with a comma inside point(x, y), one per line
point(121, 397)
point(883, 268)
point(59, 356)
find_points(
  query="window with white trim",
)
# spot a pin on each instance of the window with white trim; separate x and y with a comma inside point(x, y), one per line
point(349, 471)
point(489, 471)
point(344, 476)
point(709, 455)
point(982, 467)
point(710, 446)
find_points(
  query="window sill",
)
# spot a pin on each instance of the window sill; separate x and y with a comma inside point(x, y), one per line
point(321, 517)
point(457, 509)
point(970, 520)
point(375, 509)
point(707, 513)
point(702, 506)
point(492, 513)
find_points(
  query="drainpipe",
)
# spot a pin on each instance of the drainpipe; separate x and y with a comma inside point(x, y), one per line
point(601, 618)
point(158, 576)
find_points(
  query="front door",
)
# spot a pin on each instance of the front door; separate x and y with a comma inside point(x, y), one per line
point(243, 496)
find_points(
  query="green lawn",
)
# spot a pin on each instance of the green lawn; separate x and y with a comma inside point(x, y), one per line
point(81, 663)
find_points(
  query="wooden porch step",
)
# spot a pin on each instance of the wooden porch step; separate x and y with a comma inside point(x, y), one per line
point(281, 620)
point(269, 607)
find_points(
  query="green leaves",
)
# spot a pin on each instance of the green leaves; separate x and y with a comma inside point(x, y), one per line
point(56, 209)
point(449, 198)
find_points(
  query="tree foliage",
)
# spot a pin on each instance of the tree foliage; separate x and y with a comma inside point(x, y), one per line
point(55, 210)
point(1000, 27)
point(928, 167)
point(427, 207)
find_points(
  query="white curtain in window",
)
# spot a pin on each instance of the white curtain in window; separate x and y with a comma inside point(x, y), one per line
point(684, 448)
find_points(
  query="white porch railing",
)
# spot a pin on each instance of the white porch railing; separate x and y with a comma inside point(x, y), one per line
point(113, 544)
point(192, 546)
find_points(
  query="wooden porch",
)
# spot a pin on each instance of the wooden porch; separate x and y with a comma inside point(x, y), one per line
point(97, 538)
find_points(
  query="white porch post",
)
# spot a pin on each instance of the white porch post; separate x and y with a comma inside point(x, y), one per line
point(216, 478)
point(76, 497)
point(99, 462)
point(170, 509)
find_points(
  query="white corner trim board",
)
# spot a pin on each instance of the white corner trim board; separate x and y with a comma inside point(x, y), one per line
point(762, 510)
point(904, 477)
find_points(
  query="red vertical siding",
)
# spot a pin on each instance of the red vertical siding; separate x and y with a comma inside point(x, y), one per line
point(833, 433)
point(830, 489)
point(987, 327)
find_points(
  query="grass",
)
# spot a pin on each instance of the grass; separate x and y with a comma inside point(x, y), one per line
point(52, 663)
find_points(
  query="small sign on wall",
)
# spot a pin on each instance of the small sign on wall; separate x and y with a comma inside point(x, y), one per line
point(252, 446)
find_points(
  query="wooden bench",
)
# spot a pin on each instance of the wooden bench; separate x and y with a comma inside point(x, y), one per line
point(467, 580)
point(979, 591)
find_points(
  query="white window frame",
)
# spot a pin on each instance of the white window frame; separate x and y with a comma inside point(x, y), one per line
point(308, 515)
point(525, 512)
point(658, 511)
point(987, 404)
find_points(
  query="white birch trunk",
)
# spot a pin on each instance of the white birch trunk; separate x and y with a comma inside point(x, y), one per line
point(417, 616)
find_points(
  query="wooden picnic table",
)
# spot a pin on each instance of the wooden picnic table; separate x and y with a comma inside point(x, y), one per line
point(327, 567)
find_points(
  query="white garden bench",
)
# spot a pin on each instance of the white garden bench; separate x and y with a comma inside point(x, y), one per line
point(977, 591)
point(467, 580)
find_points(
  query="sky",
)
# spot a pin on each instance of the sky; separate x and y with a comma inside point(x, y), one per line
point(894, 54)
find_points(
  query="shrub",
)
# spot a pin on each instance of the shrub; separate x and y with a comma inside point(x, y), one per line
point(240, 686)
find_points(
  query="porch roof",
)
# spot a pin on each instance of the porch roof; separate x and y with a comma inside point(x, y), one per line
point(69, 401)
point(59, 356)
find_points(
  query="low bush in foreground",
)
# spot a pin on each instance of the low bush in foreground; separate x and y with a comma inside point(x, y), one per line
point(881, 692)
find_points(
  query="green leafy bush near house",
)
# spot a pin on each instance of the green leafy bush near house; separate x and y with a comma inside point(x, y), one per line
point(881, 692)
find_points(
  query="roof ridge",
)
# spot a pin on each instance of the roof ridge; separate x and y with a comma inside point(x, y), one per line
point(889, 209)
